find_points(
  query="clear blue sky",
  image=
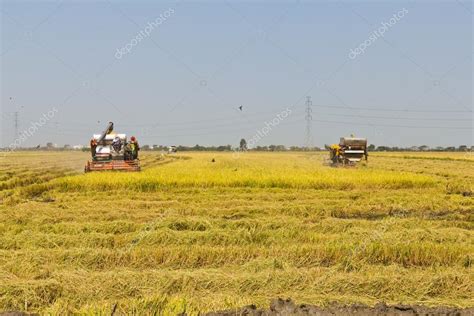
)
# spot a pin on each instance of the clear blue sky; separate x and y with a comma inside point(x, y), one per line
point(184, 82)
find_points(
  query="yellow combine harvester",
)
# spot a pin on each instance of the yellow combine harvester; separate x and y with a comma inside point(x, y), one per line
point(349, 151)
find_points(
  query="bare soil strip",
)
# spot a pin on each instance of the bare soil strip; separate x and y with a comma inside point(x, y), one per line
point(282, 307)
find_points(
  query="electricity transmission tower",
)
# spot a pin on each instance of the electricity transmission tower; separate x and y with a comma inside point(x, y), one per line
point(309, 119)
point(16, 120)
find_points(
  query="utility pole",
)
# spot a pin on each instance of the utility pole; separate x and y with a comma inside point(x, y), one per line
point(309, 120)
point(17, 124)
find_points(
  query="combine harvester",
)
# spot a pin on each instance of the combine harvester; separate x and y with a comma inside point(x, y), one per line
point(348, 152)
point(111, 151)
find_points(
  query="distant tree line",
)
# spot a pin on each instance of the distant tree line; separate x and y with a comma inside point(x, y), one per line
point(243, 147)
point(462, 148)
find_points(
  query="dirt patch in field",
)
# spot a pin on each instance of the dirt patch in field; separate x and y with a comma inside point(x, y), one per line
point(280, 307)
point(287, 307)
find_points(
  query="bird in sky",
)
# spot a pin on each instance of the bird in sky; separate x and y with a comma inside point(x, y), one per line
point(241, 107)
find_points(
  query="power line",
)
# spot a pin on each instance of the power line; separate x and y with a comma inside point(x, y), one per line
point(390, 110)
point(260, 116)
point(238, 131)
point(401, 126)
point(215, 128)
point(255, 125)
point(398, 118)
point(226, 119)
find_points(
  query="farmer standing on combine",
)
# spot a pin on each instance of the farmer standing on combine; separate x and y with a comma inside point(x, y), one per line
point(335, 153)
point(135, 147)
point(93, 144)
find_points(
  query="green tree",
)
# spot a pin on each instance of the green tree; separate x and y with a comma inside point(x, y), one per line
point(243, 145)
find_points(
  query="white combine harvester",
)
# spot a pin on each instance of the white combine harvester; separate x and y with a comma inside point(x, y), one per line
point(111, 151)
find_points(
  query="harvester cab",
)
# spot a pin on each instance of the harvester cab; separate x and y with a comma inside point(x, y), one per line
point(349, 151)
point(111, 151)
point(172, 150)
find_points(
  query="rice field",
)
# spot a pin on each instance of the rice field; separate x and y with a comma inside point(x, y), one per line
point(189, 234)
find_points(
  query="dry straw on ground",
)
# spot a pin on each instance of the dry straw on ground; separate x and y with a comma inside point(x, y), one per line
point(188, 234)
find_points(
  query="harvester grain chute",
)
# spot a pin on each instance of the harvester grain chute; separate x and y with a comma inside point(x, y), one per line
point(349, 151)
point(112, 151)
